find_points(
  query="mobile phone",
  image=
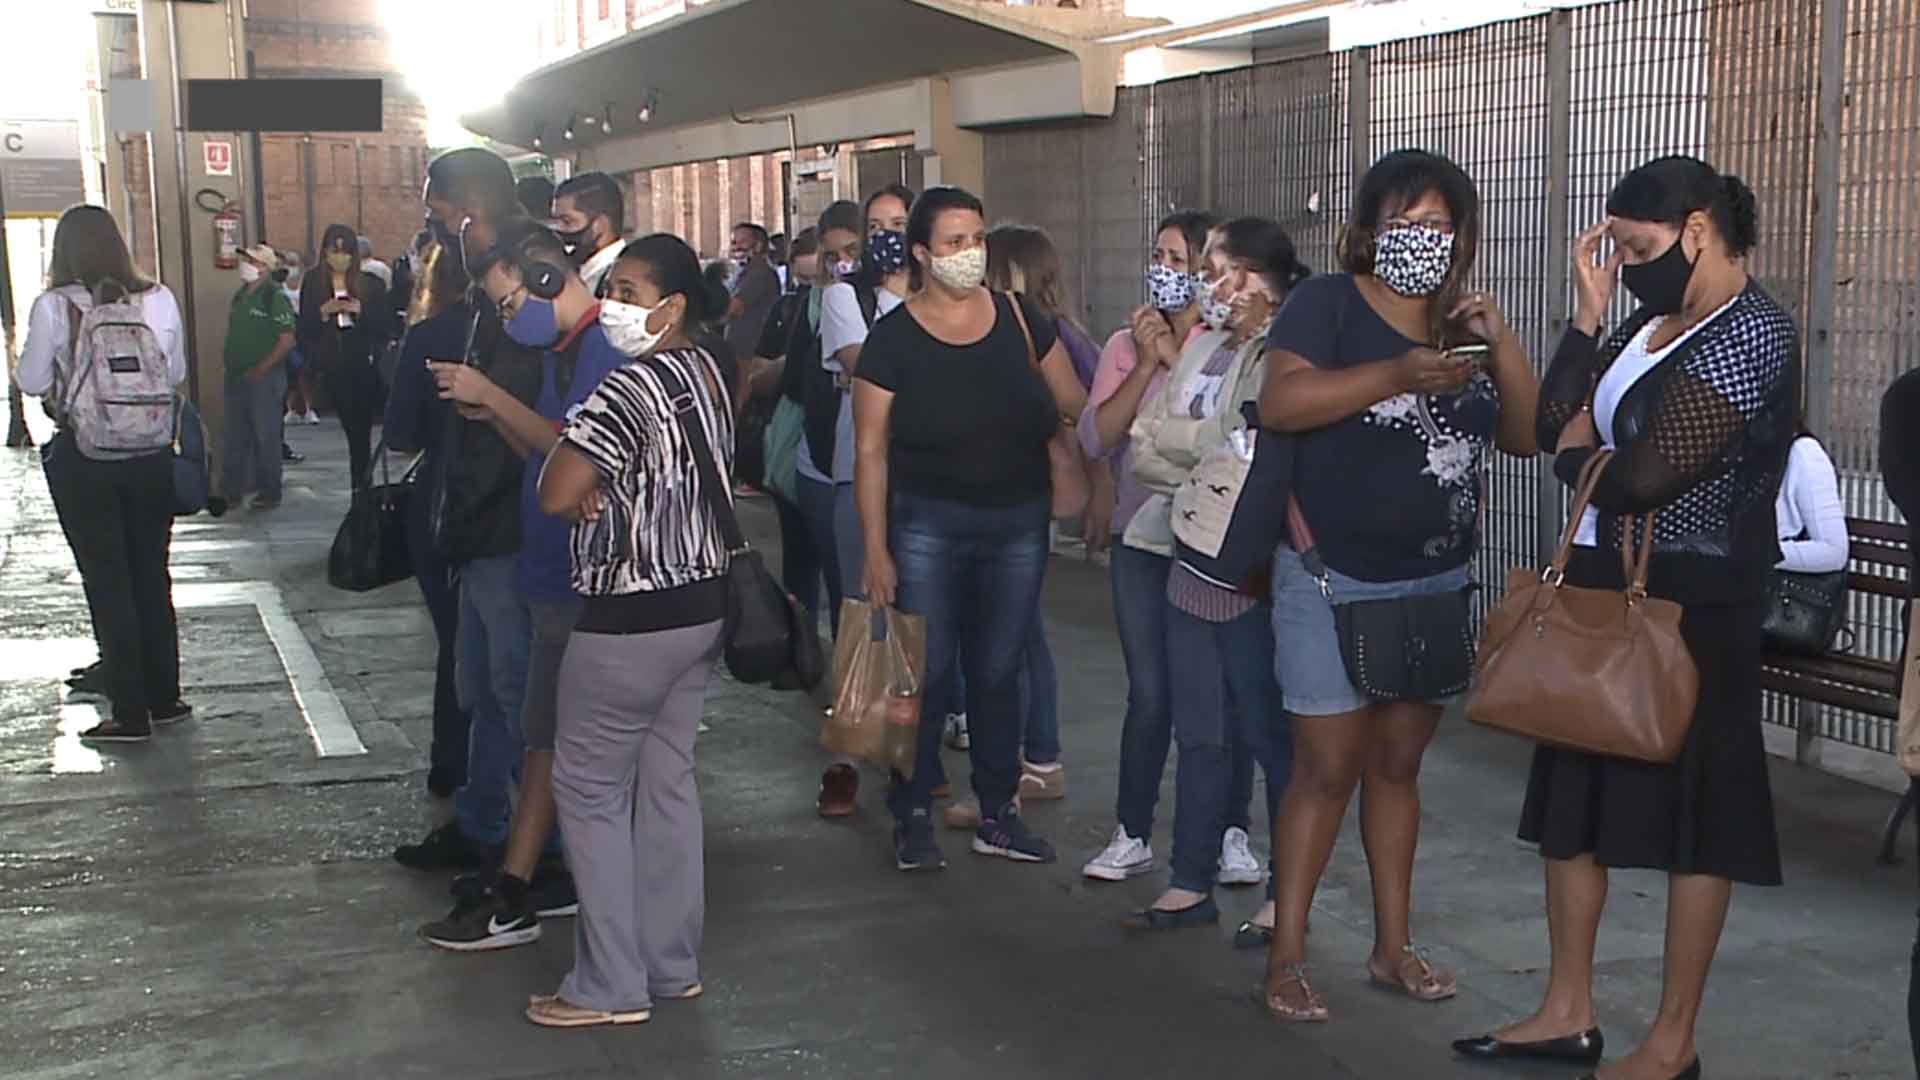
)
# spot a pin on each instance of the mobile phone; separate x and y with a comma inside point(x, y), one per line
point(1474, 355)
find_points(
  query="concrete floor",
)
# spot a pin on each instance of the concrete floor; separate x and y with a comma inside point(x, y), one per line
point(220, 902)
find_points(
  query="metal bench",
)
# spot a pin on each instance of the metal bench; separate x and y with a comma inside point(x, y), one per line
point(1862, 684)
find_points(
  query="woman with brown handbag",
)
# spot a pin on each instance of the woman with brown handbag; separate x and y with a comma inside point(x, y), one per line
point(1696, 397)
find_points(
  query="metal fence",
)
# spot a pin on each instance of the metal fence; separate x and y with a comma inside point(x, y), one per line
point(1815, 104)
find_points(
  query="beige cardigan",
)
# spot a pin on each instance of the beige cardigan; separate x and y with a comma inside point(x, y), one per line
point(1166, 447)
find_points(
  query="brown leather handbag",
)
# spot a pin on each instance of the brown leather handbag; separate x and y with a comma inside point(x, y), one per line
point(1595, 670)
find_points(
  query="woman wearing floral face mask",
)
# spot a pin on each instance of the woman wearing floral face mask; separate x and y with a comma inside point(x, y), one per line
point(1391, 435)
point(1218, 641)
point(953, 418)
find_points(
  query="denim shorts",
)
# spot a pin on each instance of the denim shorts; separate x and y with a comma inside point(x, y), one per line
point(1306, 646)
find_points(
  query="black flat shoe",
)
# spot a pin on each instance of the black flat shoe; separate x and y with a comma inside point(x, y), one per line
point(1251, 936)
point(1204, 913)
point(1585, 1048)
point(1691, 1072)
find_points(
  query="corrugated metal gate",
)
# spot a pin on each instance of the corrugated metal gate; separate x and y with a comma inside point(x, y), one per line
point(1816, 105)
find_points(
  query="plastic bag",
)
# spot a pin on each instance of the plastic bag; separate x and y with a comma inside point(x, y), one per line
point(879, 678)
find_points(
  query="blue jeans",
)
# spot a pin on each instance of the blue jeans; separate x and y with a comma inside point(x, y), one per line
point(1039, 696)
point(816, 516)
point(1222, 677)
point(1140, 609)
point(975, 573)
point(494, 638)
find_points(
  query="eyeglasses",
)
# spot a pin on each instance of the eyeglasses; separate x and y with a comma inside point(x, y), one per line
point(1436, 222)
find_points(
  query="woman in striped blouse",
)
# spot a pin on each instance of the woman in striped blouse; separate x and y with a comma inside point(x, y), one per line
point(649, 560)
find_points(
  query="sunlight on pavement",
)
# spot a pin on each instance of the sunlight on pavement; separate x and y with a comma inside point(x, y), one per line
point(70, 755)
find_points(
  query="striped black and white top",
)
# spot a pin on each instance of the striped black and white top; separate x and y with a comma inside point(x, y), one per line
point(656, 532)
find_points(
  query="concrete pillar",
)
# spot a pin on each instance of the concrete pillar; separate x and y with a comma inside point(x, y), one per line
point(203, 41)
point(953, 155)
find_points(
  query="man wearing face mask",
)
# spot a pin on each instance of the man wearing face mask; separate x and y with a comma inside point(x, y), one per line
point(259, 337)
point(756, 288)
point(590, 215)
point(476, 526)
point(543, 304)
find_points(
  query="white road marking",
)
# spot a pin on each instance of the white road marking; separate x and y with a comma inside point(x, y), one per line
point(326, 719)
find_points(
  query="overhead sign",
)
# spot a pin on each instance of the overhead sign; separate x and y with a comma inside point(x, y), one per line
point(219, 157)
point(40, 165)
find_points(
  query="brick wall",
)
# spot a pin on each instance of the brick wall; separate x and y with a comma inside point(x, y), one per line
point(368, 180)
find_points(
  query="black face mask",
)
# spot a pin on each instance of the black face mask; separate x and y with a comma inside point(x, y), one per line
point(1660, 284)
point(580, 244)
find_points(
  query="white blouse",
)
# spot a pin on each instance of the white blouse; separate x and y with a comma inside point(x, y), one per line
point(1812, 522)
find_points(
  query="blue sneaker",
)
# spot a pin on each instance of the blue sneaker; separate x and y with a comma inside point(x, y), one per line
point(1005, 835)
point(914, 848)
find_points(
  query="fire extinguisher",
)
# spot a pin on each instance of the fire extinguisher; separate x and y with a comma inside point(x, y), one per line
point(226, 227)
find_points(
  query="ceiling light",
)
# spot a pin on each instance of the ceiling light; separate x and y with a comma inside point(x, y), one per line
point(567, 132)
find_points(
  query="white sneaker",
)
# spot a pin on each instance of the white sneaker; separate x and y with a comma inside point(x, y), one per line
point(291, 418)
point(312, 418)
point(955, 732)
point(1237, 864)
point(1125, 857)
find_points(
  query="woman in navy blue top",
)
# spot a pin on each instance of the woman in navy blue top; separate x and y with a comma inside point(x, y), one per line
point(415, 418)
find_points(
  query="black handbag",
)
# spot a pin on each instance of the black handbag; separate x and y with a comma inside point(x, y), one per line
point(1409, 648)
point(1805, 612)
point(767, 636)
point(370, 549)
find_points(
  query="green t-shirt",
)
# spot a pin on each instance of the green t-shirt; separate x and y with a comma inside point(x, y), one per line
point(261, 313)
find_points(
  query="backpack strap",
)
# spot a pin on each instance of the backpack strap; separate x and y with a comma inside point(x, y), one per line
point(1020, 316)
point(869, 304)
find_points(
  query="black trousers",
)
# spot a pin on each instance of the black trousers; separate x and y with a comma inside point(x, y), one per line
point(448, 754)
point(118, 518)
point(354, 385)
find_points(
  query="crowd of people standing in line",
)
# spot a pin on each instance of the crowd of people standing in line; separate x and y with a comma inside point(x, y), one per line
point(555, 377)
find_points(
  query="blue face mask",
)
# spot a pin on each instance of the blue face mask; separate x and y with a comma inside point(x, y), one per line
point(887, 250)
point(534, 325)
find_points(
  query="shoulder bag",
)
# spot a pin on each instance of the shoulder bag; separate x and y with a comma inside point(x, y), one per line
point(1407, 648)
point(370, 548)
point(1805, 612)
point(767, 635)
point(1601, 671)
point(1066, 463)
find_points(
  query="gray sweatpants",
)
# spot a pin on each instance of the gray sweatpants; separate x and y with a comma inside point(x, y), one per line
point(623, 781)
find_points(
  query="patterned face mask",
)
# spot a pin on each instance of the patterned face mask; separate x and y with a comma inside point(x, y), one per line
point(887, 250)
point(1216, 311)
point(1413, 260)
point(1169, 289)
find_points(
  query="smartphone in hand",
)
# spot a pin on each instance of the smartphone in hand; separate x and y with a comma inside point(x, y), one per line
point(1475, 354)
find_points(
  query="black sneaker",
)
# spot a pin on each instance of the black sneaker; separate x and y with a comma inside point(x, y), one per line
point(97, 665)
point(1005, 835)
point(444, 780)
point(91, 681)
point(172, 714)
point(445, 848)
point(914, 848)
point(552, 893)
point(478, 925)
point(115, 731)
point(287, 455)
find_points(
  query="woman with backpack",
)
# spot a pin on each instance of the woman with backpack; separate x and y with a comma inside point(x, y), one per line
point(345, 322)
point(109, 466)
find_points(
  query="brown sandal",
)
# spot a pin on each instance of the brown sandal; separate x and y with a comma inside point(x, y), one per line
point(1416, 977)
point(1313, 1012)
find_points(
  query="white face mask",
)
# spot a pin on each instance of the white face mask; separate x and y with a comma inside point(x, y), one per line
point(626, 327)
point(249, 273)
point(846, 268)
point(960, 270)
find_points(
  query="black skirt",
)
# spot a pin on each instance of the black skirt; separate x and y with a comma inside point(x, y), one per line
point(1710, 812)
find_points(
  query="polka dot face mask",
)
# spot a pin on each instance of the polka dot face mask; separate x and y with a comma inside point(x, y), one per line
point(1413, 260)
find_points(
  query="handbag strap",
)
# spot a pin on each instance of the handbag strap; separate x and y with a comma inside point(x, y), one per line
point(686, 410)
point(1556, 571)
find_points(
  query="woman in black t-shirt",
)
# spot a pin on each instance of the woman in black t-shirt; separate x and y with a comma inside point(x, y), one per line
point(952, 417)
point(1392, 433)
